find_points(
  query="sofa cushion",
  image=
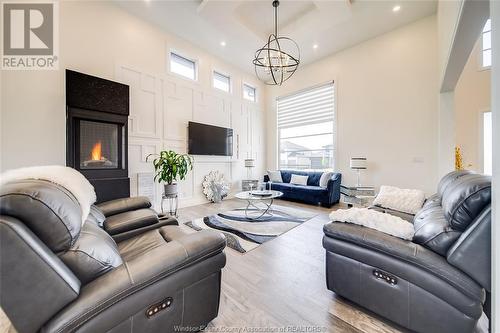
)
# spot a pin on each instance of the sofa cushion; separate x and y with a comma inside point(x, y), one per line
point(449, 179)
point(93, 254)
point(50, 211)
point(312, 180)
point(96, 215)
point(131, 220)
point(275, 176)
point(118, 206)
point(325, 177)
point(299, 180)
point(432, 201)
point(433, 231)
point(465, 199)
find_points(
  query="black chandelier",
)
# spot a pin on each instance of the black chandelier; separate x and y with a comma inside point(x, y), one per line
point(276, 61)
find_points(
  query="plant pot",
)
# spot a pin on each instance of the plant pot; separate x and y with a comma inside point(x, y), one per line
point(170, 189)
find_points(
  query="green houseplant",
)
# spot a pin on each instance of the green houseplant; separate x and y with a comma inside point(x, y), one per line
point(170, 167)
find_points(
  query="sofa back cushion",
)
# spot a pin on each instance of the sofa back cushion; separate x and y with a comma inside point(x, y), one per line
point(433, 231)
point(50, 211)
point(93, 254)
point(298, 179)
point(449, 179)
point(312, 179)
point(465, 199)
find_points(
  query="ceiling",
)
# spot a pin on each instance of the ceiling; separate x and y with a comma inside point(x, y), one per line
point(244, 25)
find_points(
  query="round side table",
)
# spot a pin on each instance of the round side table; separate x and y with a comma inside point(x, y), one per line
point(173, 202)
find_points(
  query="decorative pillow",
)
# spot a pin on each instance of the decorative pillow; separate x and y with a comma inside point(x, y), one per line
point(386, 223)
point(404, 200)
point(299, 180)
point(275, 176)
point(325, 177)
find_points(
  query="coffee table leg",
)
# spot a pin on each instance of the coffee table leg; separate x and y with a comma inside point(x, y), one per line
point(267, 210)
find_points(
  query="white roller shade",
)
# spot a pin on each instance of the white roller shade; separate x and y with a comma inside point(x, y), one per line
point(311, 106)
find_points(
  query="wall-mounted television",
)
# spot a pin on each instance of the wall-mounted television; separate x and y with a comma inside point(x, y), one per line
point(209, 140)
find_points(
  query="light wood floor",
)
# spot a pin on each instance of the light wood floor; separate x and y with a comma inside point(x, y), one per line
point(280, 284)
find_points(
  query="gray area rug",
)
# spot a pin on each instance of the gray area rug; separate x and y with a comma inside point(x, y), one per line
point(245, 231)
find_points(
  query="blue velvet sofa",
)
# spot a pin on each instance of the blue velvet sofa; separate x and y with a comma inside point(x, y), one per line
point(312, 193)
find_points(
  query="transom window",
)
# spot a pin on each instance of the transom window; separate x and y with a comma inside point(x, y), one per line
point(249, 92)
point(221, 81)
point(183, 66)
point(305, 129)
point(486, 45)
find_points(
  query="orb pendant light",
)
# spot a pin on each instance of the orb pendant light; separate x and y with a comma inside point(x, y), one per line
point(276, 61)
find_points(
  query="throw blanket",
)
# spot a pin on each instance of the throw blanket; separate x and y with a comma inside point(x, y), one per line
point(69, 178)
point(404, 200)
point(370, 218)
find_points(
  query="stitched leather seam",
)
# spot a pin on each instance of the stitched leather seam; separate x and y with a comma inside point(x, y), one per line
point(129, 291)
point(428, 269)
point(72, 240)
point(39, 256)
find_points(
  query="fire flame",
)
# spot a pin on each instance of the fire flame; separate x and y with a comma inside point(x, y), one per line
point(96, 153)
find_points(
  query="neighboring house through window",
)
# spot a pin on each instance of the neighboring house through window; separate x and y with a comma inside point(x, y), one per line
point(306, 129)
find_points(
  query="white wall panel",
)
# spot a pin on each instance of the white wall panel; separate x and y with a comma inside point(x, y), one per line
point(161, 107)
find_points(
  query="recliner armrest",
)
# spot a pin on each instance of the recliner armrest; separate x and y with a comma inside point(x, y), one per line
point(118, 206)
point(405, 251)
point(139, 273)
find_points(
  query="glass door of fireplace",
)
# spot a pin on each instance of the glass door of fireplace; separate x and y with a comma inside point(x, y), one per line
point(99, 145)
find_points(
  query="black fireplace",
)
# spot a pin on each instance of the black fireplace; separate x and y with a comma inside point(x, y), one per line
point(96, 133)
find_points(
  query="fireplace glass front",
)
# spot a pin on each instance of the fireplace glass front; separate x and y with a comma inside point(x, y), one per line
point(99, 145)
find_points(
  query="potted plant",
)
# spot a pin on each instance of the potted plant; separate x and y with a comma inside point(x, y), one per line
point(170, 167)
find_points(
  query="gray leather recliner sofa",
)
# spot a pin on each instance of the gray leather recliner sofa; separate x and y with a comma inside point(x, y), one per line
point(439, 281)
point(58, 275)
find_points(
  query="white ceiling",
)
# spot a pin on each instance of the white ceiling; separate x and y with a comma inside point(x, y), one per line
point(244, 25)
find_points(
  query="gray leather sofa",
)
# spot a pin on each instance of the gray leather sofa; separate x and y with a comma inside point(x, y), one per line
point(439, 281)
point(60, 276)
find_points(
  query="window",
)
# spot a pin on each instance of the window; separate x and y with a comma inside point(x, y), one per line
point(249, 93)
point(182, 66)
point(305, 129)
point(222, 82)
point(486, 45)
point(487, 143)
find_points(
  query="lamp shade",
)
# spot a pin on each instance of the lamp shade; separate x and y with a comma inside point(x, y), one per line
point(249, 163)
point(358, 163)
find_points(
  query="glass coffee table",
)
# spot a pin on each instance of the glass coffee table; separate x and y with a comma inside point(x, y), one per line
point(254, 211)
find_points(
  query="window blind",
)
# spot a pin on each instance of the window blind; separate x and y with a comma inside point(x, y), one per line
point(311, 106)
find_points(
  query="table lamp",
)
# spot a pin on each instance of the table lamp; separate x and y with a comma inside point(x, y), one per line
point(249, 164)
point(358, 164)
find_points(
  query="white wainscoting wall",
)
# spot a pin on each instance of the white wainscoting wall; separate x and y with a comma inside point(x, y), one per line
point(161, 105)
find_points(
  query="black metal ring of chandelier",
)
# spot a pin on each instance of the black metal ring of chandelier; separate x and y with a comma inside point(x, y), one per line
point(273, 65)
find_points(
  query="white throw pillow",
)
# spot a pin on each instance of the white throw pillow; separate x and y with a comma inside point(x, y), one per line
point(299, 180)
point(275, 176)
point(405, 200)
point(386, 223)
point(325, 177)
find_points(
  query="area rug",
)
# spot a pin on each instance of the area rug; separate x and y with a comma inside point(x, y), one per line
point(244, 234)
